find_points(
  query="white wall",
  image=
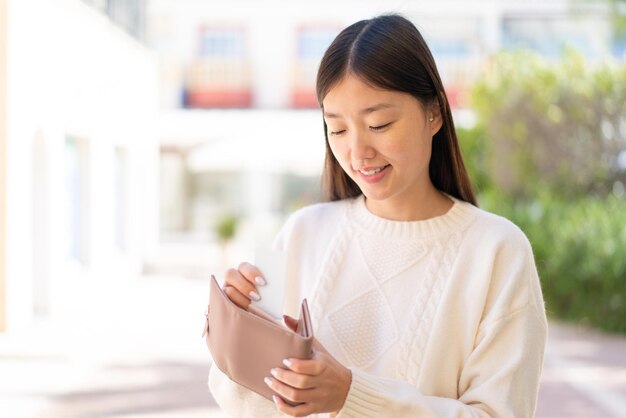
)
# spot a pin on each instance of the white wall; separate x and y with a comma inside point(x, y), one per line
point(3, 159)
point(71, 73)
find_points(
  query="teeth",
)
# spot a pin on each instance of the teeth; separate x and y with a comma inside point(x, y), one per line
point(372, 172)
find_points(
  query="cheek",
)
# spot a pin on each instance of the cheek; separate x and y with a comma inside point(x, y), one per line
point(339, 151)
point(412, 150)
point(406, 148)
point(423, 154)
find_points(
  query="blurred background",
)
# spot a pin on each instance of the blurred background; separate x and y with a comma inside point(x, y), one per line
point(145, 144)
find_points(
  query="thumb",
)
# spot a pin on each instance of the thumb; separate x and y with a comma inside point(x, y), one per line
point(291, 323)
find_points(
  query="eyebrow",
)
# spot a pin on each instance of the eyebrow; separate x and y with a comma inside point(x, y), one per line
point(365, 111)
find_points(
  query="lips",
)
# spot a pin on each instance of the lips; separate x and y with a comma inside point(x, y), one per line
point(373, 175)
point(367, 171)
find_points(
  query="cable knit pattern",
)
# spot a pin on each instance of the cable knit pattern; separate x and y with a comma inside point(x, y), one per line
point(412, 346)
point(421, 319)
point(436, 318)
point(325, 283)
point(408, 244)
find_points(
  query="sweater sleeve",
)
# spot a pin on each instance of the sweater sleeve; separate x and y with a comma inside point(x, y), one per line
point(503, 373)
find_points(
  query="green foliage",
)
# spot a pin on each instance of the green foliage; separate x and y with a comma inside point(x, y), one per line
point(546, 154)
point(474, 149)
point(562, 123)
point(226, 227)
point(580, 250)
point(618, 19)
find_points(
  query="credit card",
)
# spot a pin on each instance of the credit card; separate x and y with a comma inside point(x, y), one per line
point(273, 265)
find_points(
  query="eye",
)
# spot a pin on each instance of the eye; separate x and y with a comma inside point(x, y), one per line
point(337, 133)
point(381, 127)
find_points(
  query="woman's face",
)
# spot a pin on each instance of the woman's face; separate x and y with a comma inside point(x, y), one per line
point(382, 139)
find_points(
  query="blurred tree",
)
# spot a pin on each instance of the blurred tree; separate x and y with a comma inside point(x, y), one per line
point(475, 151)
point(554, 135)
point(226, 228)
point(560, 126)
point(618, 21)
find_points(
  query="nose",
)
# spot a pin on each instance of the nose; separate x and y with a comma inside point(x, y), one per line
point(361, 148)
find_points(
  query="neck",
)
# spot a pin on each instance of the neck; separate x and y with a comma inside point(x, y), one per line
point(429, 204)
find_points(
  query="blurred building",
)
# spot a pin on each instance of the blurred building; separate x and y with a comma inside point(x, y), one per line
point(78, 149)
point(247, 54)
point(238, 90)
point(130, 125)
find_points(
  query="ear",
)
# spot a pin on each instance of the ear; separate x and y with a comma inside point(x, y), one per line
point(434, 117)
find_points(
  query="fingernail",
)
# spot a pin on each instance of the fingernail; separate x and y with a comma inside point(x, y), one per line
point(275, 398)
point(254, 295)
point(268, 381)
point(260, 281)
point(287, 362)
point(274, 372)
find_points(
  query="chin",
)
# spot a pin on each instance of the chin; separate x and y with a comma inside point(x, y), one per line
point(378, 197)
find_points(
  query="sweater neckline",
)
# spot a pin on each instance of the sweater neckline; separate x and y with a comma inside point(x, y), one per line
point(455, 219)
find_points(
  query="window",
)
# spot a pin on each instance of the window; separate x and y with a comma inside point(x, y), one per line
point(76, 200)
point(220, 75)
point(120, 190)
point(312, 42)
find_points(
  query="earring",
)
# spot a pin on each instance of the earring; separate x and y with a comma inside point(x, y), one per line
point(431, 119)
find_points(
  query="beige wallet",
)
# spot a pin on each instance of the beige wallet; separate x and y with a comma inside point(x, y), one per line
point(247, 344)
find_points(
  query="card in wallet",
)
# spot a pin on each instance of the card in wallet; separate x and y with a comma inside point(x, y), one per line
point(247, 344)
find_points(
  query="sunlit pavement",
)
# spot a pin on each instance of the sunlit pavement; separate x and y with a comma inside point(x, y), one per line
point(131, 348)
point(127, 348)
point(584, 374)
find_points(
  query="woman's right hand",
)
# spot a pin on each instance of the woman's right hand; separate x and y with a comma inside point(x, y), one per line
point(240, 284)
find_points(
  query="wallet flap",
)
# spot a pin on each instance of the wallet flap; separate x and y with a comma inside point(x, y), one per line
point(304, 322)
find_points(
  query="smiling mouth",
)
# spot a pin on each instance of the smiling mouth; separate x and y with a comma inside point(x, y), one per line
point(374, 171)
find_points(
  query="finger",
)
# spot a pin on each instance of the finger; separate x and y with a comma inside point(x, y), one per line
point(293, 379)
point(235, 279)
point(252, 274)
point(291, 323)
point(301, 410)
point(287, 392)
point(236, 297)
point(312, 367)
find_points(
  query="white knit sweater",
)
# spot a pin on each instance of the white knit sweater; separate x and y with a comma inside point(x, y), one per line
point(435, 318)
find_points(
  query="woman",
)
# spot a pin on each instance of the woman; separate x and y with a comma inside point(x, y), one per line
point(422, 304)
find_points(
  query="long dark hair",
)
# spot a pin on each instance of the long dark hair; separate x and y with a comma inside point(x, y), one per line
point(389, 52)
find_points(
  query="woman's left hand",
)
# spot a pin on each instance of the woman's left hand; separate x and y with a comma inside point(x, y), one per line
point(320, 384)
